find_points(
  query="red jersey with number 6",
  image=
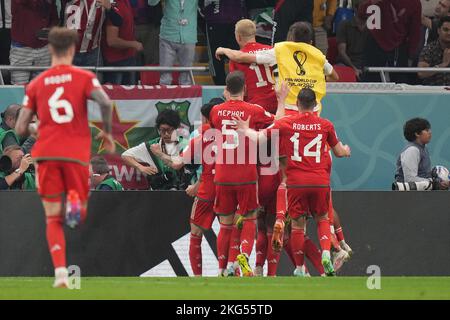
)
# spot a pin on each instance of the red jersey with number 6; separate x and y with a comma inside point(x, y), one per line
point(304, 138)
point(59, 98)
point(236, 156)
point(258, 79)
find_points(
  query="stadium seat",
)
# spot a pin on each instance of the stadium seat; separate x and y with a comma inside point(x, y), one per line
point(346, 74)
point(332, 52)
point(151, 78)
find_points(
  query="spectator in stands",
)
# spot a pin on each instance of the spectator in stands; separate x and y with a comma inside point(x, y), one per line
point(100, 176)
point(177, 37)
point(147, 21)
point(5, 35)
point(120, 46)
point(442, 10)
point(160, 175)
point(414, 162)
point(437, 55)
point(396, 42)
point(31, 21)
point(351, 37)
point(322, 22)
point(289, 11)
point(87, 17)
point(15, 170)
point(220, 17)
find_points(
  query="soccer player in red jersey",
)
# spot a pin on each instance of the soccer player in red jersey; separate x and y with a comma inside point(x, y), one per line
point(59, 98)
point(236, 173)
point(304, 138)
point(201, 149)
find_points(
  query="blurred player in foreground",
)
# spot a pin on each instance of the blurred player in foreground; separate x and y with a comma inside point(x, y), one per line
point(59, 98)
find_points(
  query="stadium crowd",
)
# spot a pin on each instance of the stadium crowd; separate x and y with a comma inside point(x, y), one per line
point(411, 33)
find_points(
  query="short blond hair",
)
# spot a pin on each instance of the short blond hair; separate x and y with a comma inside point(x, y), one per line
point(246, 28)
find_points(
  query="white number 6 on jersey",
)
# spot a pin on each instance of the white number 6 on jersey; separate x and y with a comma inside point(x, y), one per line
point(56, 104)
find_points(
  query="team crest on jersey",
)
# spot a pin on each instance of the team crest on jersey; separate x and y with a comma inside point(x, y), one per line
point(181, 107)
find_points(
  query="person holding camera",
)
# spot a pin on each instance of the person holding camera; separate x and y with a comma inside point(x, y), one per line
point(31, 21)
point(101, 179)
point(414, 162)
point(160, 175)
point(16, 170)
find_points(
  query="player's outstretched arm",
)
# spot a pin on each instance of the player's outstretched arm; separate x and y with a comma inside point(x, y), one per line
point(333, 77)
point(22, 123)
point(340, 150)
point(235, 55)
point(105, 104)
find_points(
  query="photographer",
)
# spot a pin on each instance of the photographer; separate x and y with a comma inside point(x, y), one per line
point(16, 170)
point(8, 136)
point(160, 175)
point(101, 179)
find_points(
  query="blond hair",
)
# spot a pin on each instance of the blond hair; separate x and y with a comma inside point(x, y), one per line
point(246, 28)
point(61, 39)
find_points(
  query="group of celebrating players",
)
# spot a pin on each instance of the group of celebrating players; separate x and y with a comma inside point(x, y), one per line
point(251, 199)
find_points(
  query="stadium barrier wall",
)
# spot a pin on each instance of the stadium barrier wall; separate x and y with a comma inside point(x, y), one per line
point(370, 122)
point(146, 233)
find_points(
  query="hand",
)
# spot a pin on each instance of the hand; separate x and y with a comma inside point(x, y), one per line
point(282, 91)
point(220, 52)
point(347, 150)
point(148, 171)
point(358, 73)
point(156, 149)
point(446, 57)
point(104, 3)
point(191, 190)
point(25, 163)
point(241, 125)
point(138, 46)
point(108, 141)
point(444, 185)
point(328, 23)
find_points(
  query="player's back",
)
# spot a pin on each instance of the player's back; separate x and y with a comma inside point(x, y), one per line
point(258, 79)
point(304, 138)
point(59, 98)
point(236, 156)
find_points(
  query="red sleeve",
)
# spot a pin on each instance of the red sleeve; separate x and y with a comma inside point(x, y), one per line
point(332, 138)
point(29, 100)
point(92, 84)
point(188, 153)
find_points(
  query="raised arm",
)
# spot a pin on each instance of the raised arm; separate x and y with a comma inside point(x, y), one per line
point(22, 123)
point(235, 55)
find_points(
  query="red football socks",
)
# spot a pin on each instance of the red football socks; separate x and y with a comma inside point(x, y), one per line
point(195, 254)
point(288, 248)
point(56, 241)
point(248, 235)
point(235, 244)
point(223, 243)
point(297, 243)
point(339, 234)
point(261, 247)
point(314, 255)
point(324, 232)
point(281, 202)
point(272, 259)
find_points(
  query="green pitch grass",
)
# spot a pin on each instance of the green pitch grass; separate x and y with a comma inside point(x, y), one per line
point(229, 288)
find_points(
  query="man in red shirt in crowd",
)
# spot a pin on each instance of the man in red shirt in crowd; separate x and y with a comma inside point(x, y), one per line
point(59, 98)
point(120, 45)
point(31, 20)
point(304, 138)
point(236, 174)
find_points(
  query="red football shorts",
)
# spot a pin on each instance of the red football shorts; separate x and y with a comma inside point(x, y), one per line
point(240, 199)
point(304, 201)
point(202, 213)
point(55, 178)
point(267, 192)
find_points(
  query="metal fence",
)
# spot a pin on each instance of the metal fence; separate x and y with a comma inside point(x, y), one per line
point(191, 70)
point(385, 71)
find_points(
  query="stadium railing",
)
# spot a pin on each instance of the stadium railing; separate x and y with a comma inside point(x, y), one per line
point(191, 70)
point(384, 71)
